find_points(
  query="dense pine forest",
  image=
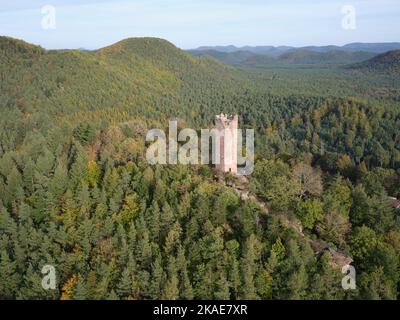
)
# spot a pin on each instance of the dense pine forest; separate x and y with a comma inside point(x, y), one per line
point(76, 191)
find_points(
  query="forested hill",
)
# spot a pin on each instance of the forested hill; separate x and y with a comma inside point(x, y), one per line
point(158, 52)
point(376, 48)
point(388, 62)
point(295, 56)
point(77, 193)
point(267, 56)
point(10, 47)
point(139, 72)
point(330, 57)
point(235, 57)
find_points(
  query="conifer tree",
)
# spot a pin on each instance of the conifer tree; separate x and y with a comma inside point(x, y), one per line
point(8, 277)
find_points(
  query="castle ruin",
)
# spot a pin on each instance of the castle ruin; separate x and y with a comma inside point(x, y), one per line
point(227, 126)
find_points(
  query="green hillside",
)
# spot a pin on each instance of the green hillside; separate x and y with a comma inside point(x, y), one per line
point(331, 57)
point(388, 62)
point(234, 58)
point(125, 77)
point(290, 57)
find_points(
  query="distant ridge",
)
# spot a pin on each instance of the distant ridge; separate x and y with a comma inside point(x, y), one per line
point(300, 56)
point(373, 47)
point(330, 57)
point(226, 57)
point(271, 50)
point(276, 51)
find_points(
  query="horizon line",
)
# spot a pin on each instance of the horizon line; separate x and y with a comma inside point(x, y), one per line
point(204, 46)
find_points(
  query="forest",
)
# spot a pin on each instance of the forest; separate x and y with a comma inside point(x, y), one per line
point(77, 193)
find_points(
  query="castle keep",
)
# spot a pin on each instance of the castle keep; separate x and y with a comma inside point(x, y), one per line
point(227, 126)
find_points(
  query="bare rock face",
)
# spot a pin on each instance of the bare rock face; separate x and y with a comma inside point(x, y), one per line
point(244, 196)
point(338, 259)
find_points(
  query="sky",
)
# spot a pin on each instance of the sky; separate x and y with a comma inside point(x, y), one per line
point(90, 24)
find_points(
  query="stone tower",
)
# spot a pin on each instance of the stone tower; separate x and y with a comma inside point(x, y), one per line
point(227, 127)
